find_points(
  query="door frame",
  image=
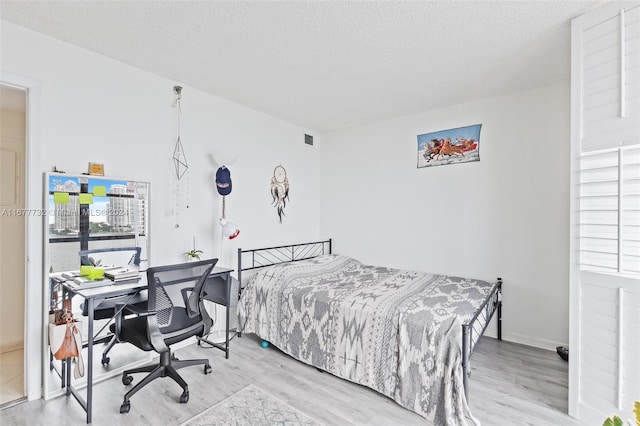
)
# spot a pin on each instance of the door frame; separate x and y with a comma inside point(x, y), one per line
point(34, 337)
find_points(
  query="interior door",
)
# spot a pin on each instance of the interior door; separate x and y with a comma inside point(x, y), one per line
point(12, 242)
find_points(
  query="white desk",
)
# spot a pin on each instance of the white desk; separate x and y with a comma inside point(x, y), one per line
point(213, 291)
point(92, 297)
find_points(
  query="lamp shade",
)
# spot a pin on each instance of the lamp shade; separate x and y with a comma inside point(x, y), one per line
point(229, 229)
point(224, 157)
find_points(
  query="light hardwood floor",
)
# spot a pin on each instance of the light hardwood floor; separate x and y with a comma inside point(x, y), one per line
point(511, 384)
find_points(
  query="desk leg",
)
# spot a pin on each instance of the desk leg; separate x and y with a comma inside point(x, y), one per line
point(63, 377)
point(228, 308)
point(64, 363)
point(66, 375)
point(90, 312)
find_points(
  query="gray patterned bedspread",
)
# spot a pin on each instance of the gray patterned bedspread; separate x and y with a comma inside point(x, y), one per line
point(397, 332)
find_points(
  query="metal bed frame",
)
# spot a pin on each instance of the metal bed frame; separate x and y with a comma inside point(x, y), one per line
point(471, 331)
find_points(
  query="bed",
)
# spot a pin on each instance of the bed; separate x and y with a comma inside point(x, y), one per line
point(406, 334)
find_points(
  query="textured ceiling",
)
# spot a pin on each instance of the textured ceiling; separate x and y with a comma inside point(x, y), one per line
point(325, 65)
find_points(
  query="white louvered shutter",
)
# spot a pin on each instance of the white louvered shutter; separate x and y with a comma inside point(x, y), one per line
point(605, 213)
point(610, 211)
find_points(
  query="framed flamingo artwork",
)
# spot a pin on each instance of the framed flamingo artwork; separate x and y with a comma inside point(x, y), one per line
point(459, 145)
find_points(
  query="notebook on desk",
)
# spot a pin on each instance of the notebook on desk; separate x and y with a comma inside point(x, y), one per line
point(70, 275)
point(122, 274)
point(126, 280)
point(79, 283)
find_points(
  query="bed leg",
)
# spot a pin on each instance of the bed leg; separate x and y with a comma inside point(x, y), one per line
point(239, 332)
point(500, 321)
point(466, 372)
point(500, 309)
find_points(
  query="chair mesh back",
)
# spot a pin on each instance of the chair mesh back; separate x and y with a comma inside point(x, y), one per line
point(175, 293)
point(111, 256)
point(163, 307)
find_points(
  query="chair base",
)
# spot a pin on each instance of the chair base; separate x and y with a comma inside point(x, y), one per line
point(110, 344)
point(109, 340)
point(166, 368)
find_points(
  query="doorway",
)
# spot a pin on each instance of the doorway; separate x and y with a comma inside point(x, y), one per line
point(13, 257)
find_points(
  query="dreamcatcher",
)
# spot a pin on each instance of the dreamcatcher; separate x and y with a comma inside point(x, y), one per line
point(280, 190)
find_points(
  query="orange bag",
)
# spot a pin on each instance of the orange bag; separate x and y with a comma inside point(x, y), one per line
point(64, 335)
point(68, 347)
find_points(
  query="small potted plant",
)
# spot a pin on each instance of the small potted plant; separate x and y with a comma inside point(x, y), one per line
point(193, 255)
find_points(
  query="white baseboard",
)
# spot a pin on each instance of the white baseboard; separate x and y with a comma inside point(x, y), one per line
point(536, 342)
point(522, 339)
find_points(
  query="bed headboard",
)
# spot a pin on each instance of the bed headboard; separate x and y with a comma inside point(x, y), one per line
point(259, 258)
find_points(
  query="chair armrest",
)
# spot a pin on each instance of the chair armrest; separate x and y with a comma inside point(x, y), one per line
point(134, 309)
point(155, 336)
point(125, 309)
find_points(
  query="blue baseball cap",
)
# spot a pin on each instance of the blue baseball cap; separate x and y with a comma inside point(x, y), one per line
point(223, 181)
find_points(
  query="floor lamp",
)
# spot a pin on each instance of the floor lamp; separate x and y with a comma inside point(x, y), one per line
point(229, 230)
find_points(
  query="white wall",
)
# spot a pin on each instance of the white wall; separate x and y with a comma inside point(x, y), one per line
point(506, 215)
point(91, 108)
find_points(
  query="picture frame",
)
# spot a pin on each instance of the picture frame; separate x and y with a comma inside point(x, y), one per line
point(96, 169)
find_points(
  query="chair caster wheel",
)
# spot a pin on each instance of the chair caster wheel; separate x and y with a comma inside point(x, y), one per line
point(184, 398)
point(125, 407)
point(207, 369)
point(126, 380)
point(106, 361)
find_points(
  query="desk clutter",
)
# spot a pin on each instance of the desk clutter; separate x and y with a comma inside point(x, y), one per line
point(90, 276)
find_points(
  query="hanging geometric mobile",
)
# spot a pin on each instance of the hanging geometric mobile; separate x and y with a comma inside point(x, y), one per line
point(279, 190)
point(179, 157)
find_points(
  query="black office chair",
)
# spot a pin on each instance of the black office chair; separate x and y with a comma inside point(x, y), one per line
point(107, 308)
point(175, 313)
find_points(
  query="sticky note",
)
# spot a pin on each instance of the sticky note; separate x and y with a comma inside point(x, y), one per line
point(85, 198)
point(60, 198)
point(100, 191)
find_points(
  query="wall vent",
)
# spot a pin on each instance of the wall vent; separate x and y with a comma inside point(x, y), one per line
point(308, 139)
